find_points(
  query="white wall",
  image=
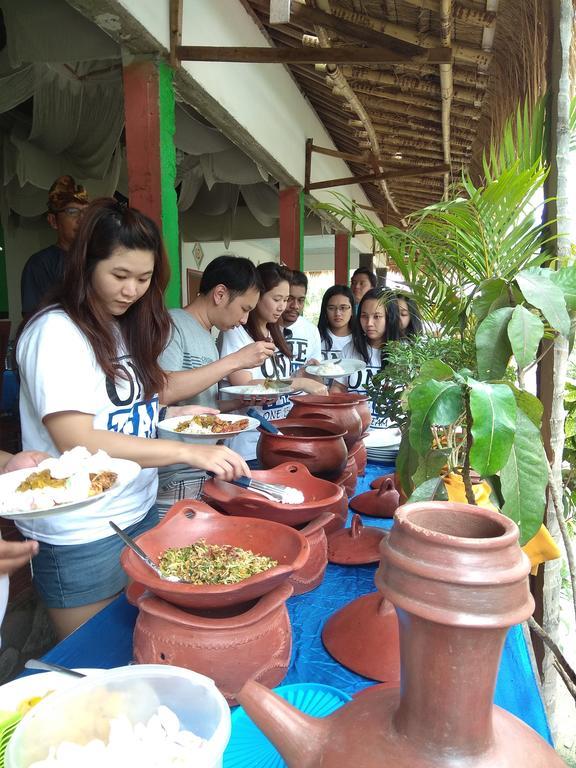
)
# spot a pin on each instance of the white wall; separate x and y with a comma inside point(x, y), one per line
point(262, 98)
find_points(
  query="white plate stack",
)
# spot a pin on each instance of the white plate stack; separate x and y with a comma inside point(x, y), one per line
point(382, 445)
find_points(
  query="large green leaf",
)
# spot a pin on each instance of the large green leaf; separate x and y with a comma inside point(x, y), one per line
point(565, 278)
point(432, 402)
point(430, 465)
point(525, 331)
point(430, 489)
point(493, 350)
point(493, 409)
point(435, 369)
point(490, 291)
point(539, 290)
point(406, 463)
point(526, 402)
point(524, 478)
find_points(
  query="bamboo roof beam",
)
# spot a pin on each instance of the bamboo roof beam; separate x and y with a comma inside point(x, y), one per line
point(417, 103)
point(301, 54)
point(465, 76)
point(353, 101)
point(446, 87)
point(417, 124)
point(472, 16)
point(356, 25)
point(409, 84)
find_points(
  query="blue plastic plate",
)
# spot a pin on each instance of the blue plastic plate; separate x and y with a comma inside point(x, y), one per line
point(249, 748)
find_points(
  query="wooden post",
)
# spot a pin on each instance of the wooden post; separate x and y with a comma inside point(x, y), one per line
point(341, 258)
point(151, 157)
point(291, 227)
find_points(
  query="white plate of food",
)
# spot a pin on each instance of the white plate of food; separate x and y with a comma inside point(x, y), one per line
point(60, 485)
point(271, 390)
point(330, 370)
point(22, 694)
point(206, 426)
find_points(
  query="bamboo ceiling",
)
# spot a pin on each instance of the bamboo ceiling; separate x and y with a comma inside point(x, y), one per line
point(416, 113)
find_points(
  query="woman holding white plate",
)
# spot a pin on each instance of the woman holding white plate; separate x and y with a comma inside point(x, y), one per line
point(262, 325)
point(90, 377)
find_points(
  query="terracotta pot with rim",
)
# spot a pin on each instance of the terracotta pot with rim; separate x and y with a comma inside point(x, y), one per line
point(318, 445)
point(335, 409)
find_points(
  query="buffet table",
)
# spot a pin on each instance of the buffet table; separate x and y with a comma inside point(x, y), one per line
point(106, 640)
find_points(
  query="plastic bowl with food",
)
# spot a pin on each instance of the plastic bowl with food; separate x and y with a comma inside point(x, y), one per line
point(159, 716)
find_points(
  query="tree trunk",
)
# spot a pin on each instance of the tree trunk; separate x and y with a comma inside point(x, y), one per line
point(559, 209)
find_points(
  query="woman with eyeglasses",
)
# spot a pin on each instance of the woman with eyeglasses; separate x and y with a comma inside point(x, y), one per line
point(337, 321)
point(90, 377)
point(264, 324)
point(378, 322)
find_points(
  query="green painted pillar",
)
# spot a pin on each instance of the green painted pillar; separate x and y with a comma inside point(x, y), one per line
point(151, 155)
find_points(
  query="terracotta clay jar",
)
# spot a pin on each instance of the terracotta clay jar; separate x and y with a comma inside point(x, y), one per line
point(254, 643)
point(355, 545)
point(319, 496)
point(360, 456)
point(336, 410)
point(312, 572)
point(191, 520)
point(458, 580)
point(318, 445)
point(380, 503)
point(349, 477)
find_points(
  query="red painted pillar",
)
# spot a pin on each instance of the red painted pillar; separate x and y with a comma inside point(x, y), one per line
point(341, 258)
point(151, 156)
point(142, 107)
point(291, 227)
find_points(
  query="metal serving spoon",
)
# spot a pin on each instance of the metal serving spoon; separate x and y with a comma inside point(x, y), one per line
point(129, 541)
point(46, 666)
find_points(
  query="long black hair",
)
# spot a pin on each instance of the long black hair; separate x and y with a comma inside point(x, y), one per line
point(414, 327)
point(323, 325)
point(271, 275)
point(391, 330)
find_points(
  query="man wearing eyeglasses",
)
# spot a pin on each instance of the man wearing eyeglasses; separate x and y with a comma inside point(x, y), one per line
point(44, 269)
point(300, 333)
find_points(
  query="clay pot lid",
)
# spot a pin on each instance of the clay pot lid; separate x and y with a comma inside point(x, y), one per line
point(341, 399)
point(378, 481)
point(363, 637)
point(319, 495)
point(191, 520)
point(356, 545)
point(380, 503)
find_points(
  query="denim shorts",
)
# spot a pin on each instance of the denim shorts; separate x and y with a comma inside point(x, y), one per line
point(70, 576)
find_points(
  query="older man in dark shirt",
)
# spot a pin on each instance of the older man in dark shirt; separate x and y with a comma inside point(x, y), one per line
point(44, 269)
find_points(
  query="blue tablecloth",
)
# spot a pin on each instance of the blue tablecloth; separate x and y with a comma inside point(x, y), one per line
point(106, 640)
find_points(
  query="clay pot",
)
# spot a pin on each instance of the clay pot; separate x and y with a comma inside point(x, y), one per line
point(318, 445)
point(337, 410)
point(380, 503)
point(340, 516)
point(312, 573)
point(191, 520)
point(362, 404)
point(458, 580)
point(356, 545)
point(360, 456)
point(349, 477)
point(319, 496)
point(252, 644)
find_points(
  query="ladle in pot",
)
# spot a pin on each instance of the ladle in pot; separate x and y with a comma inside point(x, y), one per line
point(129, 541)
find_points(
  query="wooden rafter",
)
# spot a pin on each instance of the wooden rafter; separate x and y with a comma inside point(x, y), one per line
point(175, 30)
point(303, 55)
point(391, 174)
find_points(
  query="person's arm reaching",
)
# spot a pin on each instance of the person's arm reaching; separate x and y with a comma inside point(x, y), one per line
point(70, 428)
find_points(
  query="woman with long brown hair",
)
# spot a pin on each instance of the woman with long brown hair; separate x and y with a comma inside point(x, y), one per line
point(262, 324)
point(90, 376)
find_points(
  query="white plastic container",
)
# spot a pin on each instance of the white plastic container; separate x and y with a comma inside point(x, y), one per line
point(82, 712)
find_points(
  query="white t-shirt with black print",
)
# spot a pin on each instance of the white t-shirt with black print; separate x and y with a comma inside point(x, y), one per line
point(59, 372)
point(238, 338)
point(338, 345)
point(304, 341)
point(357, 382)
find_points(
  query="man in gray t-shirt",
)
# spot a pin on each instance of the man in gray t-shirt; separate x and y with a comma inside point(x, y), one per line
point(229, 290)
